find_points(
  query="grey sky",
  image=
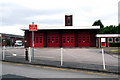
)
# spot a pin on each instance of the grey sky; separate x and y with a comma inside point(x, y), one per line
point(18, 13)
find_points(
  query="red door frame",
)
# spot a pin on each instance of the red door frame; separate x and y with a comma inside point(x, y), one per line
point(38, 40)
point(83, 40)
point(68, 39)
point(52, 39)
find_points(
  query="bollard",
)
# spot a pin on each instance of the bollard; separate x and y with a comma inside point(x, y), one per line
point(61, 57)
point(26, 54)
point(3, 53)
point(29, 54)
point(103, 59)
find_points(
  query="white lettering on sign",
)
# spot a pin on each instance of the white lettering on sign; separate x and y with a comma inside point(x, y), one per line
point(32, 27)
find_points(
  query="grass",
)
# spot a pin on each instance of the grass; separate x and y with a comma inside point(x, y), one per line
point(112, 48)
point(115, 51)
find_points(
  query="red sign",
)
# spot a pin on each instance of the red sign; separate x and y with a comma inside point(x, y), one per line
point(32, 27)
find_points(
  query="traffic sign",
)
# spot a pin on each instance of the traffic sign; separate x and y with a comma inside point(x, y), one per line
point(32, 27)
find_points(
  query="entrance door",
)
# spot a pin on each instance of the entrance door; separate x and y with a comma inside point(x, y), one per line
point(52, 39)
point(83, 40)
point(38, 40)
point(68, 39)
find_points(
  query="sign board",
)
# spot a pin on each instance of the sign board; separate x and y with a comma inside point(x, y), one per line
point(102, 39)
point(32, 27)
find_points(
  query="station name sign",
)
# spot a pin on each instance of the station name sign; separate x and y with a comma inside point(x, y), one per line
point(32, 27)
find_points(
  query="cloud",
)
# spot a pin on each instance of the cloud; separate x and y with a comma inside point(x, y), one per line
point(15, 14)
point(51, 12)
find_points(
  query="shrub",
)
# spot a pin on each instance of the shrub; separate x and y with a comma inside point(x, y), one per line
point(114, 44)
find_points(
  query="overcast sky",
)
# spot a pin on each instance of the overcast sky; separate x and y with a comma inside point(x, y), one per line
point(18, 13)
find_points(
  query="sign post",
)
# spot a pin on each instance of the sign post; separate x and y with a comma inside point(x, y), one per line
point(32, 28)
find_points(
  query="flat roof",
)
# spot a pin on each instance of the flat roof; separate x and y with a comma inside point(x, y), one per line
point(61, 27)
point(108, 35)
point(11, 35)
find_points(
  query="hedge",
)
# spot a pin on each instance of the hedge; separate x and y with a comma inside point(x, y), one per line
point(114, 44)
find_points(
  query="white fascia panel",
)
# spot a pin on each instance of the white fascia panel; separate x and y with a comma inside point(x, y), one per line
point(61, 27)
point(108, 35)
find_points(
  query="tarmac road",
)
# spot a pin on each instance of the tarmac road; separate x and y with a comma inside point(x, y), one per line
point(15, 70)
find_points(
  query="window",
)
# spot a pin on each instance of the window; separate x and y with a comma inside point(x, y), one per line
point(48, 41)
point(110, 40)
point(116, 39)
point(68, 20)
point(71, 41)
point(36, 39)
point(67, 41)
point(68, 17)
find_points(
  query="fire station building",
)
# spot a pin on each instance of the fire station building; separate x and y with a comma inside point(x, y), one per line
point(62, 36)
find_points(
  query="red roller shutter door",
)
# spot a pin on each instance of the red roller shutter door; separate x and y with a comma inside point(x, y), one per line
point(52, 39)
point(38, 40)
point(84, 40)
point(68, 40)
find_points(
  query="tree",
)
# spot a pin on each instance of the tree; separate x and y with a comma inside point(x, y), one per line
point(110, 30)
point(8, 43)
point(98, 23)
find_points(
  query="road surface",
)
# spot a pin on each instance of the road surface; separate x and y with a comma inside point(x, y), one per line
point(17, 70)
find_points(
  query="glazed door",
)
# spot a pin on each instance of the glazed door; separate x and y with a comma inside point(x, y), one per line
point(84, 40)
point(52, 39)
point(68, 40)
point(38, 40)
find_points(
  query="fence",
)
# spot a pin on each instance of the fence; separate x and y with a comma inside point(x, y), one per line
point(67, 57)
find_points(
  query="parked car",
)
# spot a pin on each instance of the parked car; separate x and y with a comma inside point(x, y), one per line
point(18, 43)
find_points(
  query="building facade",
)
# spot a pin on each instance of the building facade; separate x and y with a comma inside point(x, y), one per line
point(104, 40)
point(62, 36)
point(9, 39)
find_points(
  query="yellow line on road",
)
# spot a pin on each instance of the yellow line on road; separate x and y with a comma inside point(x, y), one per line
point(81, 71)
point(19, 64)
